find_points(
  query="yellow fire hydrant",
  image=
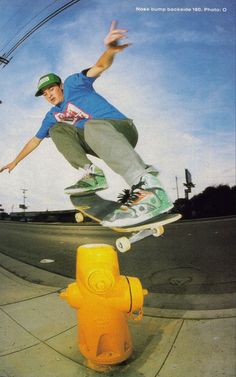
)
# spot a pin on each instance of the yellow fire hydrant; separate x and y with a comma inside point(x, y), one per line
point(105, 300)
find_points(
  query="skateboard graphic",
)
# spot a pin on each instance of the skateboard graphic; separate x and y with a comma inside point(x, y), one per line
point(96, 208)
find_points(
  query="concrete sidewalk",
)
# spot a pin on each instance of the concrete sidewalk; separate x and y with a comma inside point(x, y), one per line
point(39, 333)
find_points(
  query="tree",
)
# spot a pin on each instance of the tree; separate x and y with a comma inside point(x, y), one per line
point(213, 201)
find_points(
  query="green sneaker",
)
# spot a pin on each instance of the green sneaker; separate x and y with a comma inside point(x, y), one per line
point(144, 201)
point(91, 179)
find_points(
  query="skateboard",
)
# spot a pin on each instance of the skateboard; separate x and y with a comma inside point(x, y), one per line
point(96, 208)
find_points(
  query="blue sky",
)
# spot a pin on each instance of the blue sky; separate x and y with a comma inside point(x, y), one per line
point(177, 81)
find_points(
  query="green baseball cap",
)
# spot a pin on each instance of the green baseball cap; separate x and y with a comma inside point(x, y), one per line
point(45, 81)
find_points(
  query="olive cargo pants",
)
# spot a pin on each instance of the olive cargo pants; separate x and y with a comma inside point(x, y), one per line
point(112, 140)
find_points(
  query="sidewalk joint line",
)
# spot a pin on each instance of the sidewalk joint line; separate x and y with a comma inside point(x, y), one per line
point(171, 348)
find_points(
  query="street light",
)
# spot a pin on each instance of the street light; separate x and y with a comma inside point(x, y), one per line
point(189, 184)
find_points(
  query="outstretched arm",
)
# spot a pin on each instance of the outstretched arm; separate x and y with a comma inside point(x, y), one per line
point(112, 48)
point(28, 148)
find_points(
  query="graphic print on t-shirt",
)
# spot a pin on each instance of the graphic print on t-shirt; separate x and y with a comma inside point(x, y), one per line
point(71, 115)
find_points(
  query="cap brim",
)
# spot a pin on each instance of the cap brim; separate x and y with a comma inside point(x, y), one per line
point(38, 93)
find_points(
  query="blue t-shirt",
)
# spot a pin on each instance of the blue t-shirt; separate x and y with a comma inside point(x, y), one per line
point(81, 103)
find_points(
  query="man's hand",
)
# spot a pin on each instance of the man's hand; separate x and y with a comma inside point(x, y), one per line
point(112, 47)
point(9, 166)
point(114, 36)
point(28, 148)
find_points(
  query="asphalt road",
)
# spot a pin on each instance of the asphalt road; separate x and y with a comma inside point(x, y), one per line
point(192, 266)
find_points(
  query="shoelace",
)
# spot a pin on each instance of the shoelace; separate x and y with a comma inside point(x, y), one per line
point(127, 197)
point(85, 173)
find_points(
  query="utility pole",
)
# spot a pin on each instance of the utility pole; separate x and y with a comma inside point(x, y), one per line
point(1, 212)
point(23, 206)
point(177, 187)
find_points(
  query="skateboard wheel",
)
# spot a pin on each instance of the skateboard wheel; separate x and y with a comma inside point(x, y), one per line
point(79, 218)
point(158, 231)
point(123, 244)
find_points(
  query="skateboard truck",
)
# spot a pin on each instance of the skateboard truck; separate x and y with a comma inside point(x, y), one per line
point(123, 244)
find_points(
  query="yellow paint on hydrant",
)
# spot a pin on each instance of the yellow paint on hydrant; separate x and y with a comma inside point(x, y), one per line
point(104, 300)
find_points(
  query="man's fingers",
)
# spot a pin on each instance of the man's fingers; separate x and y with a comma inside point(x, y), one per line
point(113, 29)
point(118, 31)
point(115, 35)
point(5, 168)
point(113, 25)
point(125, 45)
point(116, 38)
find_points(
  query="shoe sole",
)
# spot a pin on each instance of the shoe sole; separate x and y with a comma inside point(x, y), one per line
point(82, 192)
point(135, 221)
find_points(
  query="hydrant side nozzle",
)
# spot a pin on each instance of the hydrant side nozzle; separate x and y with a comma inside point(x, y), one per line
point(72, 295)
point(145, 292)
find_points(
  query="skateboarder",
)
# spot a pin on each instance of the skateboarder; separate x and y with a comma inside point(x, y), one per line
point(82, 122)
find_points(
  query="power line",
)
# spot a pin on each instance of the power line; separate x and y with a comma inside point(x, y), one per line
point(17, 8)
point(27, 23)
point(36, 27)
point(40, 24)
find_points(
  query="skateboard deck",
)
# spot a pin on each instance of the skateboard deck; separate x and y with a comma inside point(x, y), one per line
point(96, 208)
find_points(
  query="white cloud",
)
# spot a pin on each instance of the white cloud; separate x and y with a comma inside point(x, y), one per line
point(171, 130)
